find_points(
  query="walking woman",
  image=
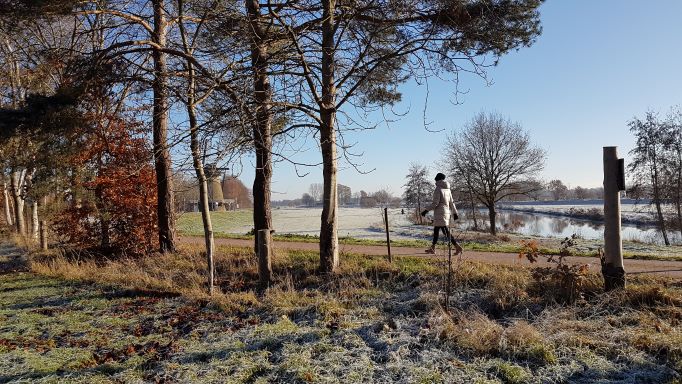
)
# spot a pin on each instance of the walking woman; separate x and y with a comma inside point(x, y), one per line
point(443, 207)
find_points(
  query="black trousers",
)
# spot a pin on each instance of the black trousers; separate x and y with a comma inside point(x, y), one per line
point(436, 230)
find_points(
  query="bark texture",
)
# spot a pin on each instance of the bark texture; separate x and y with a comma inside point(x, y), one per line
point(329, 242)
point(16, 185)
point(203, 182)
point(35, 226)
point(162, 160)
point(8, 211)
point(262, 126)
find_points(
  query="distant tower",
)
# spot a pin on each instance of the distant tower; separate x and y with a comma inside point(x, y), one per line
point(215, 189)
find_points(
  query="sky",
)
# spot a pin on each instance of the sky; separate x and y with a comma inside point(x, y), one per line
point(597, 64)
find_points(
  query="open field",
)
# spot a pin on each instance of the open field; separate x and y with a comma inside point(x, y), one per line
point(353, 222)
point(147, 320)
point(363, 226)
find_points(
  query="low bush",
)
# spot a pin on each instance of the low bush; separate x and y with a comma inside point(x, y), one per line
point(561, 281)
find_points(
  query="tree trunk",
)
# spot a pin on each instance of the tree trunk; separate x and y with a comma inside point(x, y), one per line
point(419, 206)
point(473, 212)
point(201, 176)
point(8, 211)
point(329, 252)
point(35, 226)
point(678, 190)
point(264, 264)
point(492, 215)
point(105, 238)
point(43, 235)
point(661, 222)
point(262, 128)
point(162, 160)
point(657, 202)
point(16, 183)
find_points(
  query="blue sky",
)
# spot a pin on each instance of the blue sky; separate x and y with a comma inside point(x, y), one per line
point(597, 64)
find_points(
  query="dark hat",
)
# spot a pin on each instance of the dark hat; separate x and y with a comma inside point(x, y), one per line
point(440, 176)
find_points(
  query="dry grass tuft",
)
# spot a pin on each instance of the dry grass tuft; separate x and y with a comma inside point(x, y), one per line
point(650, 296)
point(522, 340)
point(471, 332)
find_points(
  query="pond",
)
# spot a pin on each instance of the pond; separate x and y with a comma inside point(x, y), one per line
point(538, 224)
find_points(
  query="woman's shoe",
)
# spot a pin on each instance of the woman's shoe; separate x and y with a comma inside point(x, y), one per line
point(458, 249)
point(431, 250)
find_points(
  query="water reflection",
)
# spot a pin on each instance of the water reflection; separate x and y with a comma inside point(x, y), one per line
point(557, 226)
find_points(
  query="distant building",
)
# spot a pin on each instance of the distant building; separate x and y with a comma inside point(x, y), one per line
point(233, 189)
point(228, 194)
point(216, 200)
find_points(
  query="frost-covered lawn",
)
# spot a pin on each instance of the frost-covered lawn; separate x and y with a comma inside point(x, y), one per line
point(363, 223)
point(373, 323)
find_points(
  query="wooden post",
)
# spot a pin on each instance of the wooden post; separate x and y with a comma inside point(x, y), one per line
point(388, 236)
point(612, 262)
point(448, 283)
point(43, 235)
point(264, 259)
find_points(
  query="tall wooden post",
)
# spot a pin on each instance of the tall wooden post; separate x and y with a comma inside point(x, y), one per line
point(448, 281)
point(264, 261)
point(614, 181)
point(388, 236)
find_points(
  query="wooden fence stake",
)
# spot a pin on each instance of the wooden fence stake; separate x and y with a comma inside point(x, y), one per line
point(448, 284)
point(388, 236)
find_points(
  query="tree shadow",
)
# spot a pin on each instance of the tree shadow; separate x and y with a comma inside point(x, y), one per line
point(107, 369)
point(627, 372)
point(12, 259)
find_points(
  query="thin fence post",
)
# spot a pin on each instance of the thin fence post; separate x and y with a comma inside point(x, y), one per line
point(264, 259)
point(388, 236)
point(448, 284)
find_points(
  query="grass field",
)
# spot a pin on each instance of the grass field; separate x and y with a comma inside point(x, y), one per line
point(148, 320)
point(236, 224)
point(233, 222)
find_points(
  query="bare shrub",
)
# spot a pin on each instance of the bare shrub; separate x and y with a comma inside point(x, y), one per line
point(562, 282)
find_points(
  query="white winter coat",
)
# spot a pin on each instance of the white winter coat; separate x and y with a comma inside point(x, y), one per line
point(443, 206)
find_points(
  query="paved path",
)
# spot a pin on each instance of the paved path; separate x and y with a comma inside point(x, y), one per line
point(658, 267)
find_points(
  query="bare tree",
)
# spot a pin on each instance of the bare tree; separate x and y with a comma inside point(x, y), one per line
point(675, 148)
point(496, 158)
point(418, 189)
point(558, 189)
point(307, 200)
point(649, 160)
point(383, 197)
point(344, 194)
point(580, 193)
point(315, 190)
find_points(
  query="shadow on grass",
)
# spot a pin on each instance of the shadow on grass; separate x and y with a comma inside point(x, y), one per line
point(105, 369)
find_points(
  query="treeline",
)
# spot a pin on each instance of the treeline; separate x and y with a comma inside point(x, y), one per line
point(556, 190)
point(103, 99)
point(380, 198)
